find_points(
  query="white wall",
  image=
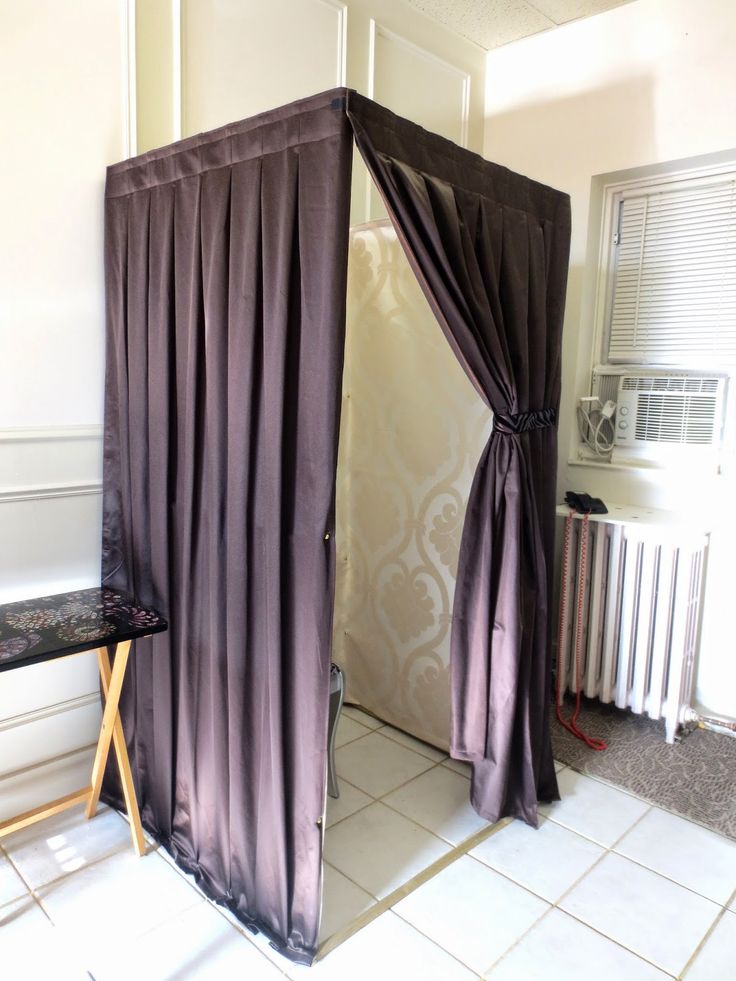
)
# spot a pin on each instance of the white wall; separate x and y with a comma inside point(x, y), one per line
point(237, 59)
point(64, 117)
point(81, 81)
point(647, 83)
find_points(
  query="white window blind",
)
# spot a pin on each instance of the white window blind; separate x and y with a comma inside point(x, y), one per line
point(674, 286)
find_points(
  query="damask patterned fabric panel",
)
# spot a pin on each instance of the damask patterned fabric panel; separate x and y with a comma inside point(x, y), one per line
point(412, 431)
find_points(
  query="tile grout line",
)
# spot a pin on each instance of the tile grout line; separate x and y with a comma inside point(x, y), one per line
point(387, 725)
point(30, 891)
point(243, 930)
point(436, 943)
point(652, 803)
point(606, 849)
point(703, 940)
point(153, 849)
point(387, 902)
point(38, 899)
point(552, 905)
point(380, 800)
point(555, 905)
point(386, 735)
point(610, 851)
point(635, 861)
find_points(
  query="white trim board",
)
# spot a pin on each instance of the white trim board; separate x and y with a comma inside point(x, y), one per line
point(68, 705)
point(41, 492)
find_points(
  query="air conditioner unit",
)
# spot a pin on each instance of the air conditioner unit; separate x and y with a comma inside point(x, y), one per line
point(658, 414)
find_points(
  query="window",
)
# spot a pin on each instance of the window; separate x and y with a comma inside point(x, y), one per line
point(665, 348)
point(673, 283)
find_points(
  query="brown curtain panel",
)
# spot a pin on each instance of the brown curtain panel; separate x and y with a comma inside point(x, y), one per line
point(226, 264)
point(490, 249)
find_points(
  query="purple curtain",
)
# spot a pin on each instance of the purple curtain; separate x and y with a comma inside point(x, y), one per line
point(490, 249)
point(226, 261)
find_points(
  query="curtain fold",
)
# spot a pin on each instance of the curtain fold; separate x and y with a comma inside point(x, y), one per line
point(490, 249)
point(226, 260)
point(225, 264)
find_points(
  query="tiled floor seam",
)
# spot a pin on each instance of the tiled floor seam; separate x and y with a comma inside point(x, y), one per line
point(362, 807)
point(398, 742)
point(555, 904)
point(612, 940)
point(381, 800)
point(237, 926)
point(607, 851)
point(612, 848)
point(704, 939)
point(387, 725)
point(459, 854)
point(550, 905)
point(242, 929)
point(646, 800)
point(411, 885)
point(30, 892)
point(447, 841)
point(669, 878)
point(518, 940)
point(334, 868)
point(354, 739)
point(582, 834)
point(433, 766)
point(436, 943)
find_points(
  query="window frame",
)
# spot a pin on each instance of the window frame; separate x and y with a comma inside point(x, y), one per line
point(602, 220)
point(604, 293)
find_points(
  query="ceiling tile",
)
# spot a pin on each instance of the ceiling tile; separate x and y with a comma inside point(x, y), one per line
point(489, 23)
point(562, 11)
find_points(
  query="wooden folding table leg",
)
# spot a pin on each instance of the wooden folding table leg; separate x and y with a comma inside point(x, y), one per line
point(112, 731)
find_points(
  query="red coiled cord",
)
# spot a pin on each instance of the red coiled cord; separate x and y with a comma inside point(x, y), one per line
point(572, 726)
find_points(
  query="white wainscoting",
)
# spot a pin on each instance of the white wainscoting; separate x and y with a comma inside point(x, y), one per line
point(24, 789)
point(416, 83)
point(239, 59)
point(50, 530)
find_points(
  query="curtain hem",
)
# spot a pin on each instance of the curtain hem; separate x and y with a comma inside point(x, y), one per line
point(191, 867)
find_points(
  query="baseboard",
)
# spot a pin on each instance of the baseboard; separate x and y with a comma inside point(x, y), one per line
point(36, 738)
point(59, 708)
point(34, 785)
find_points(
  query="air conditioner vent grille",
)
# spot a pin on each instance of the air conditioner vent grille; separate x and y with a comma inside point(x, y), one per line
point(675, 419)
point(657, 411)
point(671, 383)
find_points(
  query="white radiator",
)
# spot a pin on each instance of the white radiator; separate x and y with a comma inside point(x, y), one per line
point(641, 603)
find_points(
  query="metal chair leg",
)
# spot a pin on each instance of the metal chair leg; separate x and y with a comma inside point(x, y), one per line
point(337, 695)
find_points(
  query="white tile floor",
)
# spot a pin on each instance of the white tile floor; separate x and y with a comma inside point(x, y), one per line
point(608, 887)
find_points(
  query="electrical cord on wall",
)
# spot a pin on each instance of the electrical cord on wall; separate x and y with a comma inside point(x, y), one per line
point(596, 425)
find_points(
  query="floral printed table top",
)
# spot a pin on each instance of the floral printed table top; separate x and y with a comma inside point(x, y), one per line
point(48, 627)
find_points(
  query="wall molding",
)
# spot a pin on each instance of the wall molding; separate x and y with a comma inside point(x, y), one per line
point(52, 762)
point(44, 462)
point(44, 492)
point(342, 40)
point(378, 30)
point(48, 433)
point(177, 76)
point(57, 708)
point(129, 86)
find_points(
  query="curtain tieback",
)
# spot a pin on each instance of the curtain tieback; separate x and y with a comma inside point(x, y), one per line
point(522, 422)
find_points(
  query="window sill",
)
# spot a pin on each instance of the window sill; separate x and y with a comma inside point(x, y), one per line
point(621, 467)
point(644, 469)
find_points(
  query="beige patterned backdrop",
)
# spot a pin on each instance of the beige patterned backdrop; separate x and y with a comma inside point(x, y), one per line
point(412, 431)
